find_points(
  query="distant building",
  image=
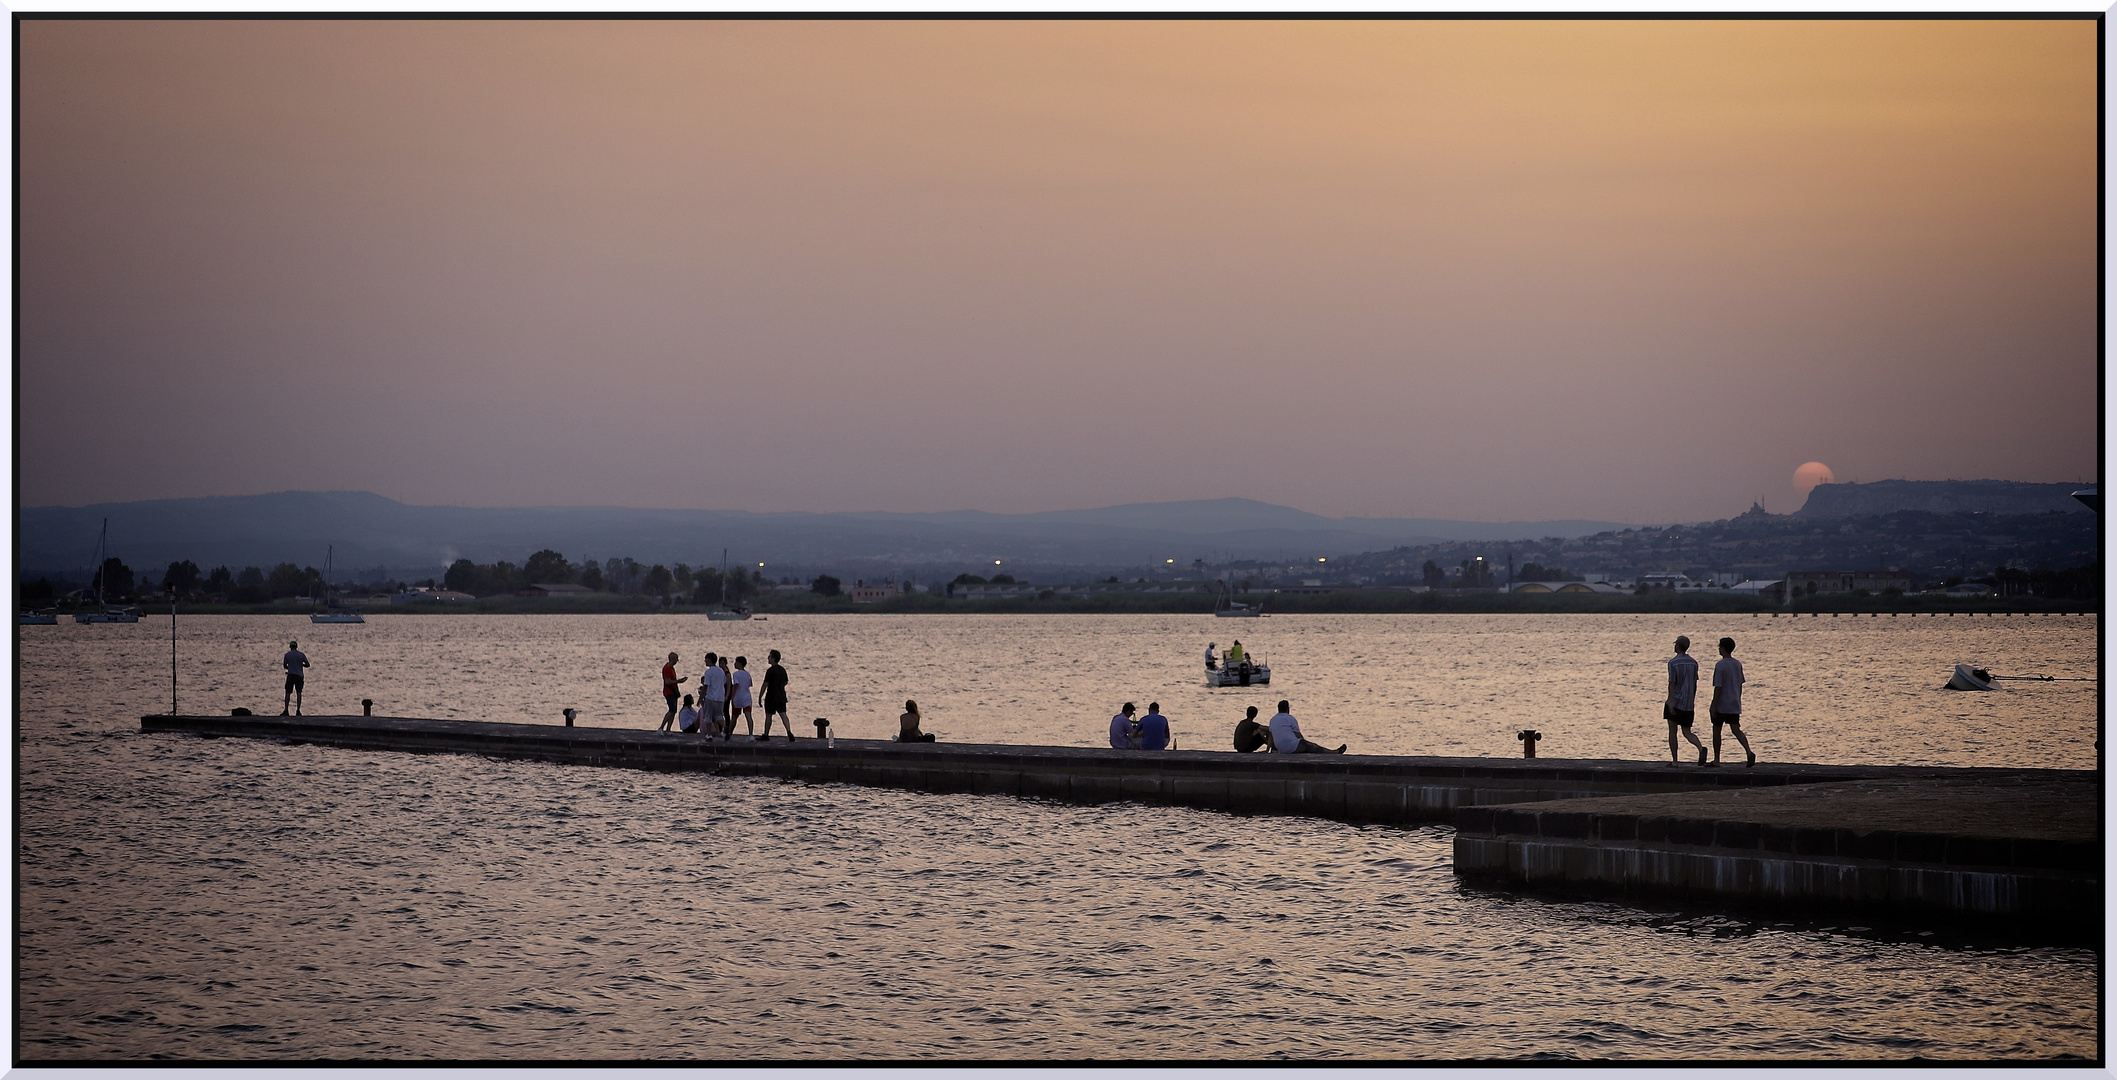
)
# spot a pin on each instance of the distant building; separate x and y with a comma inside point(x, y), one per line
point(416, 596)
point(573, 592)
point(864, 593)
point(1843, 582)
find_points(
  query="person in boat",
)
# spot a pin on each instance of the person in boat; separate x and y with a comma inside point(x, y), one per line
point(713, 697)
point(1727, 701)
point(1678, 708)
point(908, 725)
point(687, 717)
point(1211, 664)
point(670, 682)
point(294, 661)
point(1251, 736)
point(1236, 656)
point(1124, 731)
point(1287, 737)
point(1154, 728)
point(775, 695)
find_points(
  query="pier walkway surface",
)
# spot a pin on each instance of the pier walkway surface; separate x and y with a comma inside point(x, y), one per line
point(2018, 842)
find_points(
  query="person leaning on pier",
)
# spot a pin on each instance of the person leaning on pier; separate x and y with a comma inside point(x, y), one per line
point(1250, 735)
point(908, 725)
point(1124, 731)
point(1287, 737)
point(1727, 701)
point(1679, 706)
point(670, 682)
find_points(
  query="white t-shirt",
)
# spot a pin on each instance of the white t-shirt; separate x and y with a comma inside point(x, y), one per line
point(742, 686)
point(687, 718)
point(1727, 686)
point(716, 684)
point(1683, 670)
point(1286, 733)
point(294, 661)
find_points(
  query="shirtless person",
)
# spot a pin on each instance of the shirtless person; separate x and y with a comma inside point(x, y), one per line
point(1680, 705)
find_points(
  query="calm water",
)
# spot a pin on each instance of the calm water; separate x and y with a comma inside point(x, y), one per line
point(231, 899)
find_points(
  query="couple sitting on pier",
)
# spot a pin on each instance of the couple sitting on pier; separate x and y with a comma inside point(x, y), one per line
point(1149, 732)
point(1281, 736)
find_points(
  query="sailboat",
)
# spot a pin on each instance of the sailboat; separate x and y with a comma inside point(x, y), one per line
point(1227, 608)
point(726, 613)
point(331, 614)
point(104, 613)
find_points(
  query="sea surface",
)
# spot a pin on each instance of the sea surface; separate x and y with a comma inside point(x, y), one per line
point(238, 900)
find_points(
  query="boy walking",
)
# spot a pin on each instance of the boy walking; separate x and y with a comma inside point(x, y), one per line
point(1727, 701)
point(1681, 704)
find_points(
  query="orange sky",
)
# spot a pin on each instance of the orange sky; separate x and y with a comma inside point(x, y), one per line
point(1500, 270)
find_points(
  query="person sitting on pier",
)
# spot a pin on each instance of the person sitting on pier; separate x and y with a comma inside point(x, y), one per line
point(1679, 707)
point(670, 682)
point(1211, 664)
point(1287, 737)
point(1250, 735)
point(908, 725)
point(687, 717)
point(1154, 728)
point(1124, 731)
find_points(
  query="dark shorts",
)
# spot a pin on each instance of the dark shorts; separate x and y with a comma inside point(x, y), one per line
point(1680, 717)
point(1731, 719)
point(775, 704)
point(293, 682)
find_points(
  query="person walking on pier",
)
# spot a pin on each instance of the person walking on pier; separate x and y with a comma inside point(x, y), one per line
point(1154, 728)
point(713, 688)
point(1681, 703)
point(1727, 701)
point(670, 682)
point(908, 725)
point(1124, 731)
point(775, 696)
point(294, 662)
point(1287, 737)
point(740, 699)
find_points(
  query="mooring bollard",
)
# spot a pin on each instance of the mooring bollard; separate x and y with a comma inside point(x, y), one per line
point(823, 732)
point(367, 706)
point(1529, 738)
point(569, 714)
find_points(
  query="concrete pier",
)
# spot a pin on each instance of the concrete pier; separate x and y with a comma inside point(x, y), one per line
point(1984, 843)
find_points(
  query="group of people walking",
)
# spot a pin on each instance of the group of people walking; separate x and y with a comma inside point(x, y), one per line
point(725, 691)
point(1725, 709)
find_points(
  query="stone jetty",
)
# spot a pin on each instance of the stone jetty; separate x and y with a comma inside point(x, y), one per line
point(2000, 841)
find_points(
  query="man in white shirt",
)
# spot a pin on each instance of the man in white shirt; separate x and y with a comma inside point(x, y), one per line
point(1287, 737)
point(1681, 704)
point(1211, 663)
point(1727, 700)
point(294, 662)
point(714, 685)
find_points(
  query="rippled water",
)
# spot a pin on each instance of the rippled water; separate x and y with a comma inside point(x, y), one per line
point(232, 899)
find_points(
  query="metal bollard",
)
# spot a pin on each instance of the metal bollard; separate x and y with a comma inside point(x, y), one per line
point(367, 706)
point(569, 714)
point(1529, 738)
point(823, 732)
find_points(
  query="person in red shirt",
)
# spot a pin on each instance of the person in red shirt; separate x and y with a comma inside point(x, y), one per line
point(670, 681)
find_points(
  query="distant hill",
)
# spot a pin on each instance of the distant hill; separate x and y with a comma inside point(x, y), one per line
point(370, 532)
point(1941, 497)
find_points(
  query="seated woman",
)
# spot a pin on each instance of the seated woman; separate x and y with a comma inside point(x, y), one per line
point(908, 725)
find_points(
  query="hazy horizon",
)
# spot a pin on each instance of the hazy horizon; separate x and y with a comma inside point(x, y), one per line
point(1495, 271)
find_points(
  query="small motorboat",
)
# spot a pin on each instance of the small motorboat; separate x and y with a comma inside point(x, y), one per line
point(1244, 673)
point(1972, 678)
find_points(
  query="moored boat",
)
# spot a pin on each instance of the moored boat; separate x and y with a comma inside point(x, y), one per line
point(1971, 678)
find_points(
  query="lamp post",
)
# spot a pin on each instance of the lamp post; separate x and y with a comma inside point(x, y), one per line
point(172, 650)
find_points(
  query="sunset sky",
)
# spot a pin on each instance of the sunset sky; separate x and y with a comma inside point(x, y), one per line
point(1633, 271)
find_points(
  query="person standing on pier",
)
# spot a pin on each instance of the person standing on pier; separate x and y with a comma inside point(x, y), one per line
point(740, 699)
point(670, 682)
point(1727, 701)
point(714, 687)
point(1154, 728)
point(1124, 731)
point(775, 696)
point(727, 694)
point(1287, 737)
point(1681, 704)
point(294, 662)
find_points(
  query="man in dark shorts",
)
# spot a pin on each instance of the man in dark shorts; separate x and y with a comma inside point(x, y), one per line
point(1681, 704)
point(1727, 701)
point(294, 661)
point(775, 696)
point(670, 681)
